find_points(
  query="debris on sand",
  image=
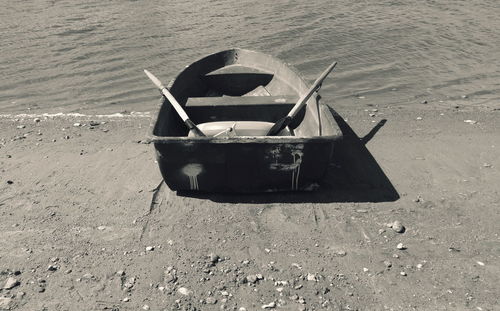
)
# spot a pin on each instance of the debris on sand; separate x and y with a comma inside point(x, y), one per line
point(11, 283)
point(470, 121)
point(401, 246)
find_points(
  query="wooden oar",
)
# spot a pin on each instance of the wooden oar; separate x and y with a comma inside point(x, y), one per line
point(190, 124)
point(284, 122)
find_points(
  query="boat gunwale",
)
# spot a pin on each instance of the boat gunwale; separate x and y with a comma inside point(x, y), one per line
point(152, 138)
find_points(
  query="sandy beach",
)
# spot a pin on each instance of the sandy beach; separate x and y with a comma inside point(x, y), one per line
point(86, 223)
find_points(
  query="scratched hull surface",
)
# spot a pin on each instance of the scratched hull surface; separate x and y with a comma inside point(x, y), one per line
point(242, 85)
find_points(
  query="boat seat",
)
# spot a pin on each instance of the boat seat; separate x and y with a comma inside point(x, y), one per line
point(241, 100)
point(224, 129)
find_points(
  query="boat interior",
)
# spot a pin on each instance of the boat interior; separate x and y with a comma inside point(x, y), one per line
point(241, 93)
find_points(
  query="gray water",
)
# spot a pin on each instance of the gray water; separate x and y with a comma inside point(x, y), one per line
point(88, 56)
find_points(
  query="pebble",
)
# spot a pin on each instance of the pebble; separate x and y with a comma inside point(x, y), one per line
point(403, 273)
point(211, 300)
point(214, 258)
point(251, 279)
point(424, 102)
point(365, 270)
point(184, 291)
point(271, 305)
point(145, 307)
point(419, 118)
point(101, 228)
point(419, 266)
point(36, 120)
point(480, 263)
point(150, 248)
point(77, 124)
point(387, 263)
point(126, 299)
point(398, 227)
point(5, 303)
point(311, 277)
point(11, 283)
point(21, 126)
point(470, 121)
point(120, 273)
point(52, 268)
point(400, 246)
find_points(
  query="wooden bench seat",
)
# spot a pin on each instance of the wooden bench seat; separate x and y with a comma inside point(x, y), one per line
point(240, 101)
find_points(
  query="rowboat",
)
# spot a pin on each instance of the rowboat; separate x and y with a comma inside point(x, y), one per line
point(234, 97)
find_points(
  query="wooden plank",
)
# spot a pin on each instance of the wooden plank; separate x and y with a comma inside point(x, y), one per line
point(240, 100)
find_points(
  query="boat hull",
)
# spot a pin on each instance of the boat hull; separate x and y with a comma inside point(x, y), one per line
point(244, 167)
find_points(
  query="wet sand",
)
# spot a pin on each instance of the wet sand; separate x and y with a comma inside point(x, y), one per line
point(87, 225)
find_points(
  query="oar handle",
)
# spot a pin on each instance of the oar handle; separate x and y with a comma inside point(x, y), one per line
point(168, 95)
point(311, 90)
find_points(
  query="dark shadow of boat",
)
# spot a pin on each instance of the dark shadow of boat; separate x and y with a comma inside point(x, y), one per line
point(353, 176)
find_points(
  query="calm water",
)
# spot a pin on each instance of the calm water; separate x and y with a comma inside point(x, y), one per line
point(88, 56)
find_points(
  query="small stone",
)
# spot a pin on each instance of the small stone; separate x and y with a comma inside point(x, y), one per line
point(251, 279)
point(395, 255)
point(403, 273)
point(486, 165)
point(424, 102)
point(365, 270)
point(419, 118)
point(398, 227)
point(52, 268)
point(184, 291)
point(120, 273)
point(87, 276)
point(5, 303)
point(387, 263)
point(242, 309)
point(480, 263)
point(400, 246)
point(145, 307)
point(341, 253)
point(271, 305)
point(20, 295)
point(150, 248)
point(311, 277)
point(464, 96)
point(211, 300)
point(36, 120)
point(11, 283)
point(470, 121)
point(77, 124)
point(419, 266)
point(68, 271)
point(101, 228)
point(214, 258)
point(21, 126)
point(126, 299)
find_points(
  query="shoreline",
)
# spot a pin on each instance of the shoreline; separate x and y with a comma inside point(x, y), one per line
point(84, 208)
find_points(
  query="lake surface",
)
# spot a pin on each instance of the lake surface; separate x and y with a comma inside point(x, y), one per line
point(88, 56)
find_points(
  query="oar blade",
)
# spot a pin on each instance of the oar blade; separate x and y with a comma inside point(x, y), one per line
point(154, 79)
point(279, 126)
